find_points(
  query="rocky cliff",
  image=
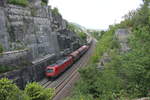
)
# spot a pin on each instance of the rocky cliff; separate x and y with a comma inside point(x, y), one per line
point(33, 33)
point(35, 28)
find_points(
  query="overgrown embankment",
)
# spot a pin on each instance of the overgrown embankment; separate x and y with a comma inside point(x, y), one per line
point(127, 75)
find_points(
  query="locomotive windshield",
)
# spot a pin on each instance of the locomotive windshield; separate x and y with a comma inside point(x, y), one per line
point(49, 70)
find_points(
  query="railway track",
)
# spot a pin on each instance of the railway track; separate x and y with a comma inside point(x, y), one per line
point(64, 83)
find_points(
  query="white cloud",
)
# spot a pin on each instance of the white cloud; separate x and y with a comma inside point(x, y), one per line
point(96, 14)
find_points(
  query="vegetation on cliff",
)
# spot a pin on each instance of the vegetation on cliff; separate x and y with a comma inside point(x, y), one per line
point(1, 48)
point(19, 2)
point(127, 75)
point(80, 32)
point(6, 68)
point(55, 11)
point(44, 2)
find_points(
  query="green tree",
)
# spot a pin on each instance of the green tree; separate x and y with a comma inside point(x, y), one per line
point(9, 91)
point(37, 92)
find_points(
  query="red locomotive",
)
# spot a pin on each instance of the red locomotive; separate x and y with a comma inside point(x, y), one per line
point(56, 69)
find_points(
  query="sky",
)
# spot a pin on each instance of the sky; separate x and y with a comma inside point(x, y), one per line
point(95, 14)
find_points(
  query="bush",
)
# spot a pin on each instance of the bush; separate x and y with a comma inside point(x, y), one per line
point(9, 91)
point(82, 35)
point(6, 68)
point(37, 92)
point(44, 2)
point(55, 11)
point(1, 48)
point(71, 27)
point(33, 91)
point(19, 2)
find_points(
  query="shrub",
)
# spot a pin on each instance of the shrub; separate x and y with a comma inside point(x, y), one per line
point(82, 35)
point(9, 91)
point(71, 27)
point(3, 69)
point(1, 48)
point(55, 11)
point(37, 92)
point(19, 2)
point(6, 68)
point(44, 2)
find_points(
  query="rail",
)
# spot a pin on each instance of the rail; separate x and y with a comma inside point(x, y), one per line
point(67, 78)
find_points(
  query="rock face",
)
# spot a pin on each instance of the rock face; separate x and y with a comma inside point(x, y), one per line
point(122, 36)
point(16, 58)
point(37, 29)
point(4, 36)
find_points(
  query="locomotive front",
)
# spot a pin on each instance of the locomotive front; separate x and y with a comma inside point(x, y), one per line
point(50, 71)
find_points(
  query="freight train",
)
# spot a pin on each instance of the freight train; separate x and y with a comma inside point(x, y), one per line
point(61, 65)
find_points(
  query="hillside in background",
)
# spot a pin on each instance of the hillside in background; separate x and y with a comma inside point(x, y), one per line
point(120, 67)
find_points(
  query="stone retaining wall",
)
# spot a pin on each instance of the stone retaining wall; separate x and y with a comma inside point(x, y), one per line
point(16, 58)
point(28, 74)
point(40, 31)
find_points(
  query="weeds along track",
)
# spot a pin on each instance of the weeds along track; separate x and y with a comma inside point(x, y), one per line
point(69, 77)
